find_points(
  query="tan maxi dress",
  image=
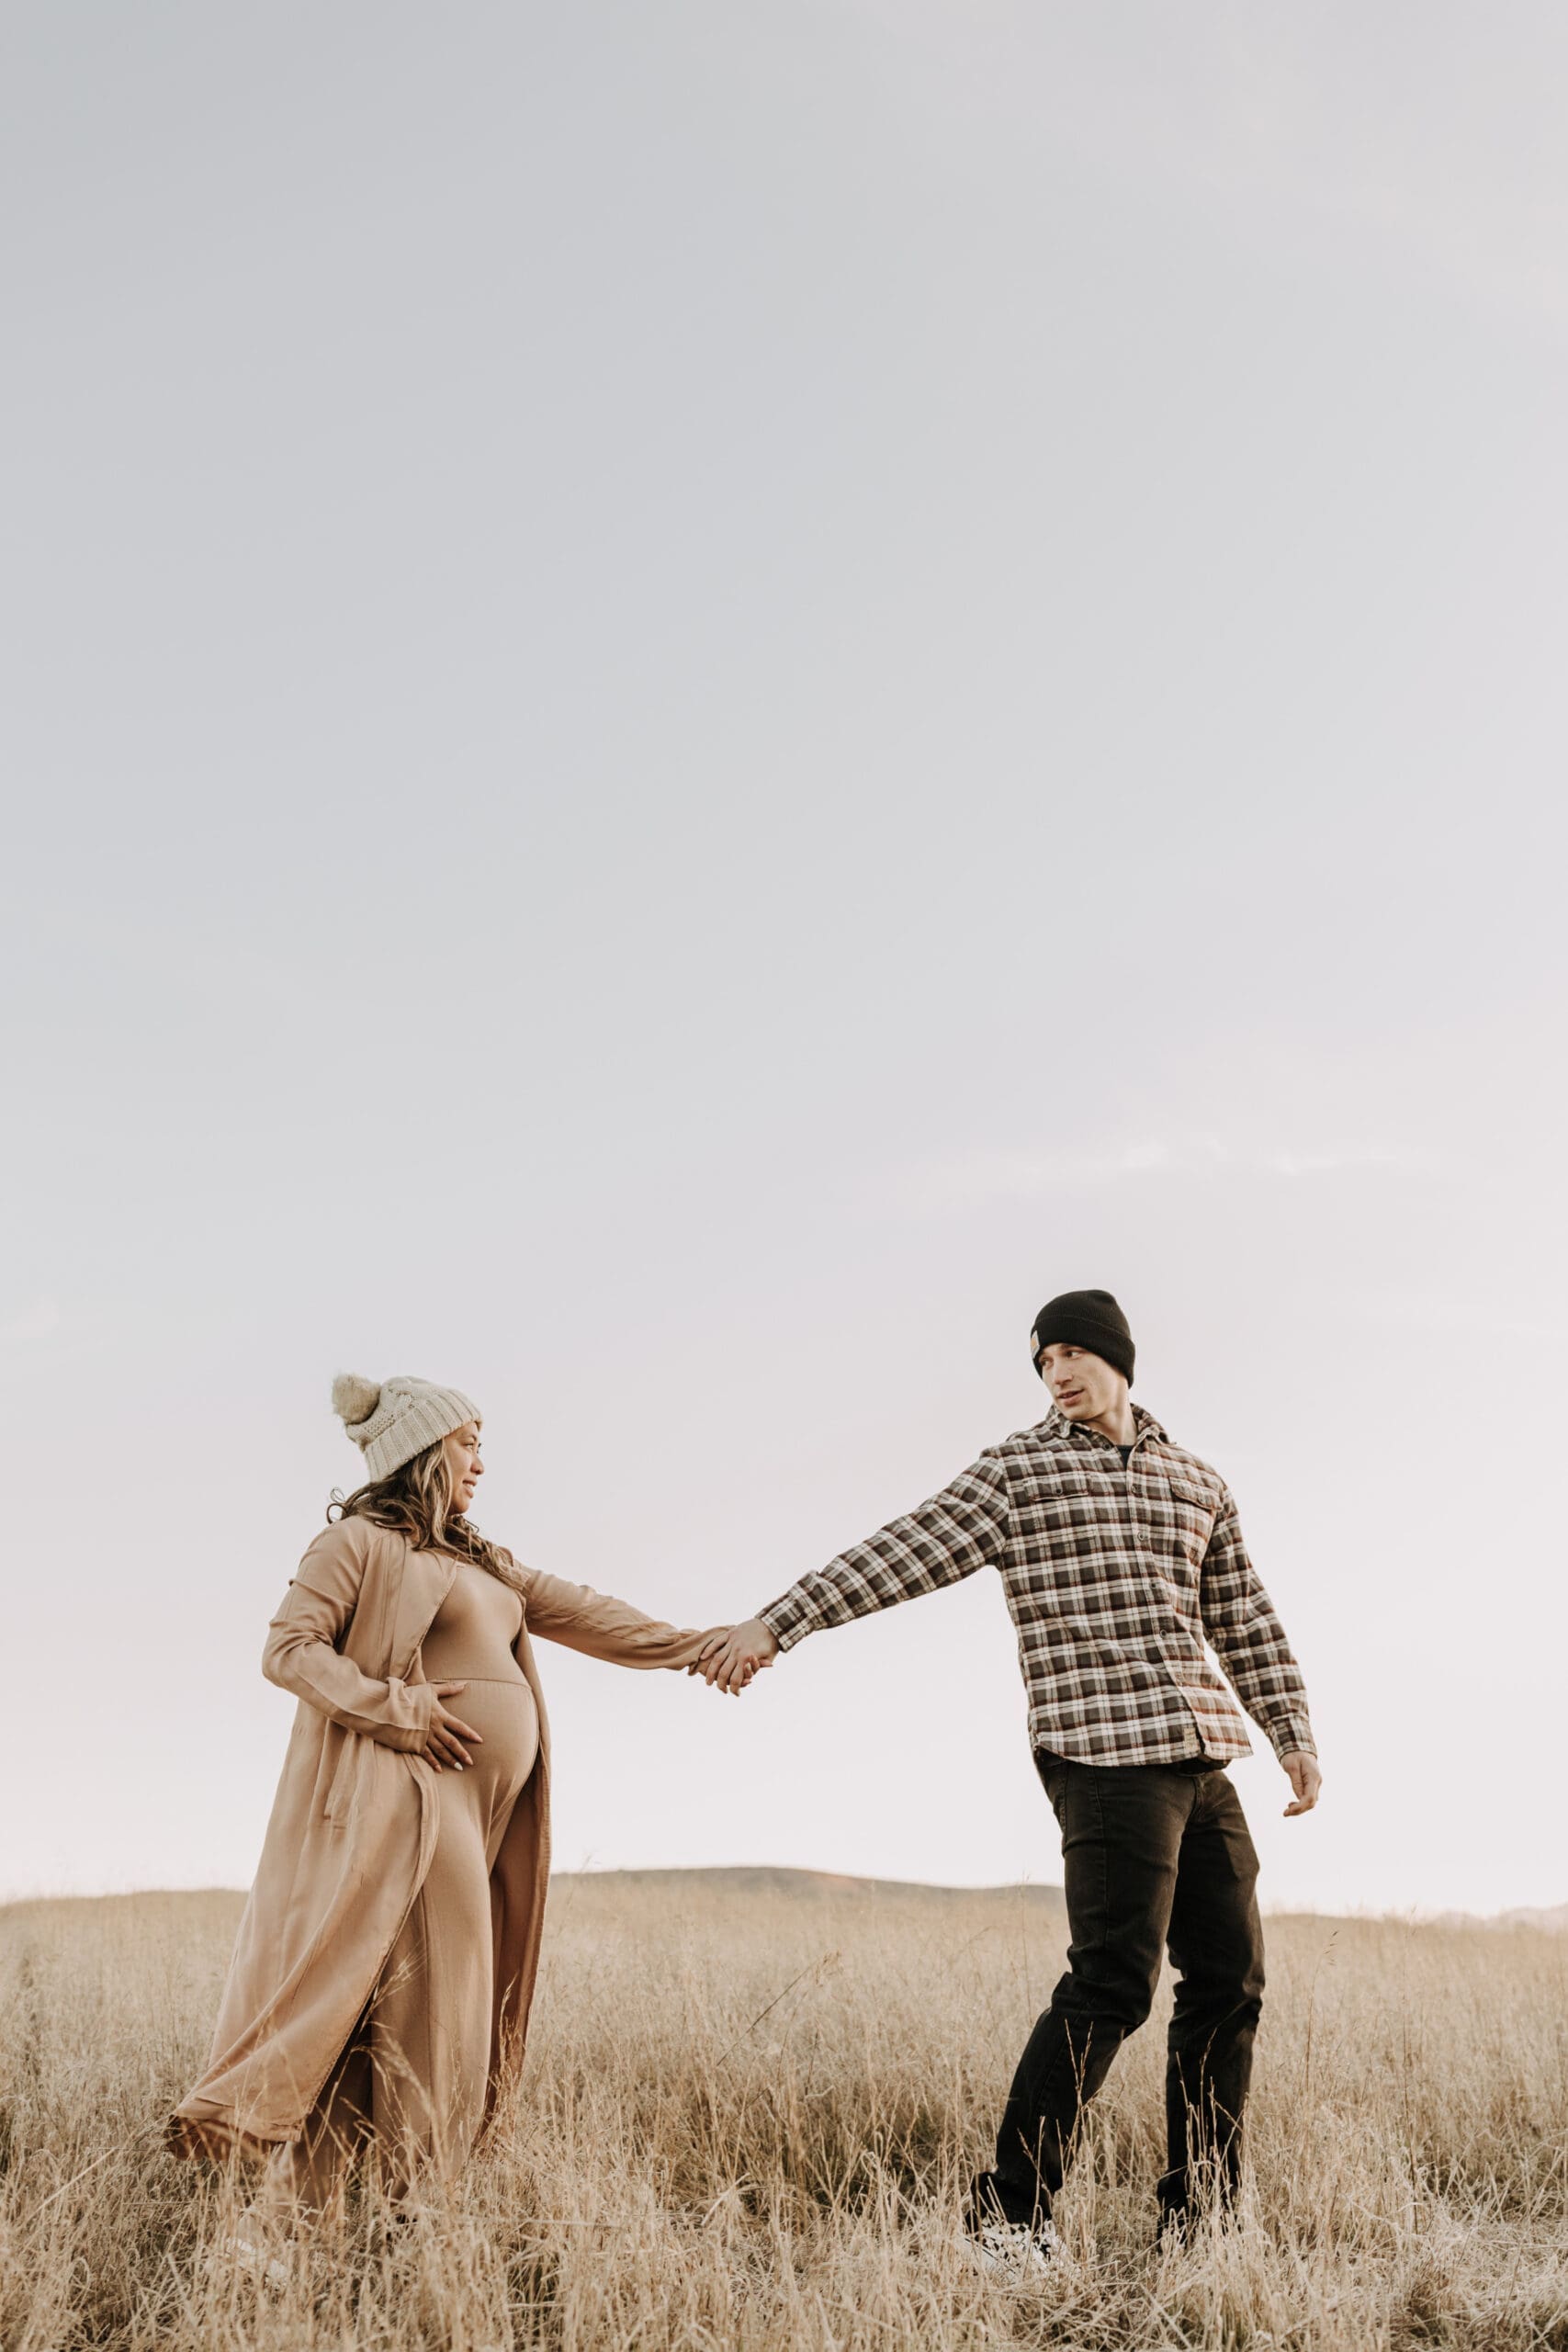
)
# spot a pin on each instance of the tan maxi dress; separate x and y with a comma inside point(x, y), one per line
point(385, 1959)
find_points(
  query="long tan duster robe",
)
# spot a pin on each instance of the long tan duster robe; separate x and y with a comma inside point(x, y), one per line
point(353, 1825)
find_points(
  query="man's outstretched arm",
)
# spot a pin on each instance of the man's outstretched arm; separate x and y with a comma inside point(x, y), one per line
point(962, 1529)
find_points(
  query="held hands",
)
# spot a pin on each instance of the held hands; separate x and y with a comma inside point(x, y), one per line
point(444, 1742)
point(731, 1659)
point(1304, 1778)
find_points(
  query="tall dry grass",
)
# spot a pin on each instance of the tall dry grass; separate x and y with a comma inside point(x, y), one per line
point(745, 2123)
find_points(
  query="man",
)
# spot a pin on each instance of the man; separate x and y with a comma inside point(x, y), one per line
point(1119, 1554)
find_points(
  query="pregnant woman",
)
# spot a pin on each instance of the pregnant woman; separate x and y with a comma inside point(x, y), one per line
point(380, 1984)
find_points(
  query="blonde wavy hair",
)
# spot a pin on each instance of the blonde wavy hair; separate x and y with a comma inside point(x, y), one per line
point(415, 1501)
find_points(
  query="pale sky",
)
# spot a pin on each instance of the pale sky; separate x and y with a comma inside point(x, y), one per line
point(699, 697)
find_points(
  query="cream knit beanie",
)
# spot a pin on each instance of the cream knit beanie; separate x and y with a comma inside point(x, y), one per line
point(392, 1423)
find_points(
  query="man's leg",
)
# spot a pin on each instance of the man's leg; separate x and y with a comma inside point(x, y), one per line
point(1121, 1831)
point(1216, 1948)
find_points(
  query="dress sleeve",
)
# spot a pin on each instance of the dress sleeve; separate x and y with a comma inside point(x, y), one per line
point(302, 1653)
point(603, 1627)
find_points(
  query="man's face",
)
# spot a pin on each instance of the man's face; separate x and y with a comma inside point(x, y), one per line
point(1083, 1386)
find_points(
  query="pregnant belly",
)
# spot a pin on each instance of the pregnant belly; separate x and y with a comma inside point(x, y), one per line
point(507, 1721)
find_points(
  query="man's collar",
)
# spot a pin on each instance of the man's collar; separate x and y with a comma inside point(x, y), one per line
point(1076, 1433)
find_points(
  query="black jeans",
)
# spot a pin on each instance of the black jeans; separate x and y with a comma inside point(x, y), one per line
point(1154, 1855)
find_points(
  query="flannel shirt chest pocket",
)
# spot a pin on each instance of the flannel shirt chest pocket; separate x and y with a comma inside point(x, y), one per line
point(1181, 1520)
point(1068, 1520)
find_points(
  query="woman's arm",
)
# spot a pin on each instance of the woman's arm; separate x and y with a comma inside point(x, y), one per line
point(603, 1627)
point(301, 1653)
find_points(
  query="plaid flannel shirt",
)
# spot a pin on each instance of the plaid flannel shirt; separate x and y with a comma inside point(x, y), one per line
point(1114, 1580)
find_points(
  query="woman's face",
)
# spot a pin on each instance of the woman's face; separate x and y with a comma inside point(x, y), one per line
point(464, 1468)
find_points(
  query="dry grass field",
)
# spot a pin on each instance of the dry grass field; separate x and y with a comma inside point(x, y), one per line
point(744, 2123)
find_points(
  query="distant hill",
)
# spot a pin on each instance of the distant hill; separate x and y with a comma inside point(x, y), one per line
point(221, 1905)
point(814, 1885)
point(818, 1886)
point(1553, 1921)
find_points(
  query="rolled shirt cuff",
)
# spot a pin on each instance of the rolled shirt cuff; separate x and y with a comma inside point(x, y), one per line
point(789, 1620)
point(1291, 1735)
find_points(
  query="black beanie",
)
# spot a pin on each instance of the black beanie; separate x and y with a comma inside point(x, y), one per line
point(1084, 1319)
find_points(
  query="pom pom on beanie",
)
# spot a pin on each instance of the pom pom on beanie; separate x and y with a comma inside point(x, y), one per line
point(353, 1399)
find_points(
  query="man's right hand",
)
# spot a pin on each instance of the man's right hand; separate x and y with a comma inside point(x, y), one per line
point(729, 1660)
point(443, 1741)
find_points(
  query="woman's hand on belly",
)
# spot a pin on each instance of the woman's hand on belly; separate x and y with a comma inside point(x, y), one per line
point(445, 1743)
